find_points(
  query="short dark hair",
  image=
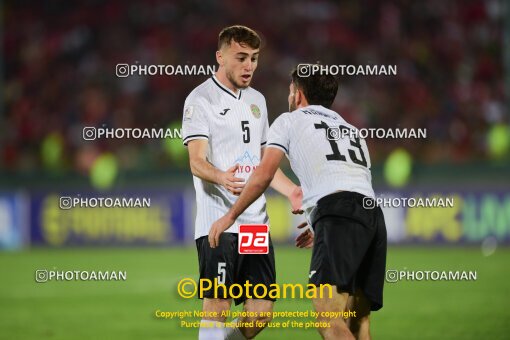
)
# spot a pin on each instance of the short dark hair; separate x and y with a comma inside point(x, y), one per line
point(319, 89)
point(240, 34)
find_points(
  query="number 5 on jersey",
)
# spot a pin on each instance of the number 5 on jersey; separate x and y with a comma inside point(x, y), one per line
point(245, 127)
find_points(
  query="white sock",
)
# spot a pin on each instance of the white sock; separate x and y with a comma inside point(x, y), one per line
point(213, 330)
point(234, 333)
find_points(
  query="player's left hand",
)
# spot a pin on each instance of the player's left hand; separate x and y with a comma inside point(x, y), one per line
point(217, 228)
point(305, 239)
point(296, 200)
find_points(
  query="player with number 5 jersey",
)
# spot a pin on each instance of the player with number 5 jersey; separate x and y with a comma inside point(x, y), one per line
point(235, 126)
point(225, 128)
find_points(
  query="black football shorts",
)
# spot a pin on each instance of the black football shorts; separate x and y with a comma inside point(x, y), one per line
point(225, 264)
point(350, 244)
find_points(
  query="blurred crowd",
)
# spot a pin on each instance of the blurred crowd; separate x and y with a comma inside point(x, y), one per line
point(59, 57)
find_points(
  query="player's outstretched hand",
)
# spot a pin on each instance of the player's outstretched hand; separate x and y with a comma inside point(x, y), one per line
point(228, 180)
point(217, 228)
point(305, 239)
point(296, 200)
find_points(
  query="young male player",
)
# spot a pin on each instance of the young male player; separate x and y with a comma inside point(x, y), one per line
point(349, 248)
point(225, 128)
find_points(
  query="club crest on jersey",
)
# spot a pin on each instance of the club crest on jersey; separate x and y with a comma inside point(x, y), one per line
point(188, 112)
point(255, 110)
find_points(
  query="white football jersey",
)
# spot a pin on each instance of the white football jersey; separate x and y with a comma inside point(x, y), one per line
point(236, 127)
point(323, 162)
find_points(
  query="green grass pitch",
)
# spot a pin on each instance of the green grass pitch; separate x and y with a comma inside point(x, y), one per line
point(125, 310)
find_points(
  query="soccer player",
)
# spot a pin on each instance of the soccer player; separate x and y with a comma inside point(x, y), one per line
point(333, 167)
point(225, 128)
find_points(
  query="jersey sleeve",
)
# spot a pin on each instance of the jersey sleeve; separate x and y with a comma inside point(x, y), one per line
point(195, 124)
point(279, 134)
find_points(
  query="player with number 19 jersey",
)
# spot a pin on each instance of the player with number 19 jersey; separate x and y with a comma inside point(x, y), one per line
point(236, 127)
point(314, 134)
point(333, 166)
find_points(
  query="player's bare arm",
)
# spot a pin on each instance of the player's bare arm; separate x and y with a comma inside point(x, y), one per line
point(287, 188)
point(256, 185)
point(201, 168)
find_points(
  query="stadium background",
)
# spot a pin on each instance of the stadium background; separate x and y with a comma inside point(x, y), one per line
point(58, 75)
